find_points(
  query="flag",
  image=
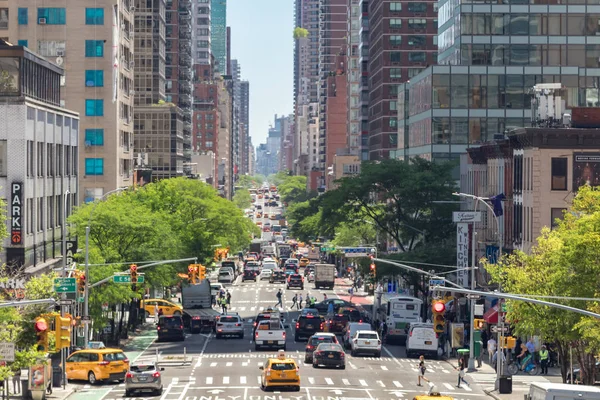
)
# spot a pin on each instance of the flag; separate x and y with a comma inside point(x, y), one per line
point(497, 203)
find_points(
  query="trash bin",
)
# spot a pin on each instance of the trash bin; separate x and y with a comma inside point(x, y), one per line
point(56, 376)
point(505, 385)
point(464, 353)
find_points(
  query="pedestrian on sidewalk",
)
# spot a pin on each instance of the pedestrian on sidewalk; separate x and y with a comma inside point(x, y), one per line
point(495, 360)
point(294, 301)
point(544, 358)
point(324, 296)
point(491, 348)
point(461, 372)
point(279, 295)
point(422, 369)
point(299, 301)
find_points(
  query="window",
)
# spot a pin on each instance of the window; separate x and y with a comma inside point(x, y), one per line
point(393, 105)
point(417, 7)
point(417, 23)
point(395, 56)
point(94, 137)
point(417, 57)
point(559, 174)
point(23, 16)
point(556, 214)
point(94, 16)
point(22, 43)
point(94, 48)
point(50, 48)
point(395, 6)
point(3, 157)
point(393, 124)
point(395, 73)
point(395, 40)
point(94, 78)
point(417, 41)
point(94, 166)
point(395, 23)
point(94, 107)
point(209, 145)
point(52, 16)
point(3, 18)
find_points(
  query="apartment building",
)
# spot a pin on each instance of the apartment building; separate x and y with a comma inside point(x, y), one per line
point(353, 75)
point(201, 31)
point(98, 82)
point(38, 160)
point(225, 140)
point(306, 52)
point(218, 34)
point(363, 51)
point(402, 42)
point(244, 100)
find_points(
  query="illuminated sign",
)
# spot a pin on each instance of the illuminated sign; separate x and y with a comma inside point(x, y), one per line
point(16, 207)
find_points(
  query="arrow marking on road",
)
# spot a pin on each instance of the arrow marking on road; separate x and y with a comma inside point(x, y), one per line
point(337, 391)
point(398, 394)
point(215, 391)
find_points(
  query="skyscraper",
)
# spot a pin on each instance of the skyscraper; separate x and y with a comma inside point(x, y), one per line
point(353, 76)
point(98, 82)
point(201, 31)
point(218, 34)
point(363, 50)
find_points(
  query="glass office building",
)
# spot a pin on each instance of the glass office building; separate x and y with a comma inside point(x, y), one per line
point(490, 56)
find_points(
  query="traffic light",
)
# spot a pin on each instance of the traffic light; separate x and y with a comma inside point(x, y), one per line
point(192, 273)
point(201, 269)
point(438, 308)
point(62, 332)
point(81, 285)
point(134, 276)
point(478, 324)
point(41, 330)
point(373, 268)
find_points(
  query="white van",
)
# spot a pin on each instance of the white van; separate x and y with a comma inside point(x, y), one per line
point(351, 328)
point(561, 391)
point(421, 340)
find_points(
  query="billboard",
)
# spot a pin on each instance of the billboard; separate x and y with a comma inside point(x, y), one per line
point(586, 169)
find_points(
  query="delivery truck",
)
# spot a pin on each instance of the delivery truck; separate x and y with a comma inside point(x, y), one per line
point(324, 276)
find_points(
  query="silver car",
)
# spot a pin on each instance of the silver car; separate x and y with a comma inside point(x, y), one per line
point(143, 377)
point(230, 324)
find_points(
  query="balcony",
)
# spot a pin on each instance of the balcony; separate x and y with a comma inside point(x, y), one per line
point(185, 16)
point(185, 74)
point(185, 5)
point(185, 34)
point(184, 87)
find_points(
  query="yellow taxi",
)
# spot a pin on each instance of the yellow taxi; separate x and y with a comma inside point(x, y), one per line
point(432, 394)
point(259, 215)
point(95, 365)
point(304, 262)
point(273, 217)
point(266, 216)
point(280, 371)
point(167, 307)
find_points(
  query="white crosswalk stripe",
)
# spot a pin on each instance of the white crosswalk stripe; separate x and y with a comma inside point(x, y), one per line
point(225, 380)
point(311, 380)
point(383, 367)
point(397, 384)
point(346, 382)
point(380, 383)
point(329, 381)
point(448, 386)
point(209, 380)
point(242, 380)
point(363, 382)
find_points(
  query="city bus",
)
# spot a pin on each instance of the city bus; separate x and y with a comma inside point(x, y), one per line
point(399, 312)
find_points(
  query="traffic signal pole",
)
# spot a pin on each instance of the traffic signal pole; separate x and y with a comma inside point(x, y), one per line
point(63, 356)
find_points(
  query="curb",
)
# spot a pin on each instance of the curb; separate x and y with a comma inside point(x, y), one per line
point(490, 392)
point(68, 392)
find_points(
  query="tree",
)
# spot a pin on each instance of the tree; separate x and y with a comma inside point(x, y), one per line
point(242, 199)
point(300, 33)
point(398, 197)
point(354, 234)
point(249, 181)
point(563, 263)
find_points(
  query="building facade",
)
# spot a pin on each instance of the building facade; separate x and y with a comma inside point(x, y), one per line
point(201, 31)
point(98, 83)
point(218, 34)
point(38, 160)
point(244, 101)
point(402, 41)
point(363, 50)
point(353, 75)
point(306, 52)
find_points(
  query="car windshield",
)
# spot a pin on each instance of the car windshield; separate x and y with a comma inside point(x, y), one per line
point(143, 368)
point(224, 273)
point(228, 319)
point(283, 366)
point(170, 322)
point(114, 356)
point(329, 347)
point(366, 335)
point(321, 339)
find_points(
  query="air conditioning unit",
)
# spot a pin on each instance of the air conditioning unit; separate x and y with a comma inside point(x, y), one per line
point(42, 21)
point(131, 64)
point(60, 53)
point(132, 8)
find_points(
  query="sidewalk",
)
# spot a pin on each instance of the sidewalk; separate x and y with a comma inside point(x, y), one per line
point(485, 377)
point(346, 284)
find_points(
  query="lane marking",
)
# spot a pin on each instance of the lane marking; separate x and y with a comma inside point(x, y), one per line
point(383, 367)
point(209, 380)
point(229, 364)
point(212, 365)
point(242, 380)
point(225, 380)
point(397, 384)
point(448, 386)
point(363, 382)
point(329, 381)
point(380, 383)
point(346, 382)
point(467, 388)
point(311, 380)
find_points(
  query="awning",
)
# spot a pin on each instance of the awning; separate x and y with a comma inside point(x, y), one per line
point(491, 316)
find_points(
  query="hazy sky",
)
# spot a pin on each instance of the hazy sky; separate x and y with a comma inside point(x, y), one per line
point(261, 39)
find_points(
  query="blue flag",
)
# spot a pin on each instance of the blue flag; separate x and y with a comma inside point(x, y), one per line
point(497, 203)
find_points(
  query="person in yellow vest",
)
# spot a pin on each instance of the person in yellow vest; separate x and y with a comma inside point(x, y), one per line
point(544, 358)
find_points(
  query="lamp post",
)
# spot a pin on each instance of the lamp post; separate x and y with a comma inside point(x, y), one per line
point(479, 199)
point(86, 291)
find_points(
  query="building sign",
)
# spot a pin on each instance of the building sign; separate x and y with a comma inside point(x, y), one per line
point(13, 288)
point(71, 250)
point(16, 213)
point(466, 216)
point(586, 169)
point(462, 254)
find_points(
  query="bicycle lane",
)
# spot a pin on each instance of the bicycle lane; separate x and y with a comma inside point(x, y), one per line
point(133, 348)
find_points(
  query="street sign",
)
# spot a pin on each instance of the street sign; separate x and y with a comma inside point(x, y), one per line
point(466, 216)
point(86, 318)
point(495, 329)
point(81, 299)
point(64, 285)
point(7, 351)
point(436, 282)
point(127, 278)
point(66, 302)
point(357, 251)
point(327, 249)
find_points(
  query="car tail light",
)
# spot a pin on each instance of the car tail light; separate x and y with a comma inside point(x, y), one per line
point(158, 328)
point(254, 324)
point(126, 361)
point(321, 327)
point(284, 335)
point(220, 330)
point(309, 347)
point(256, 334)
point(156, 374)
point(129, 375)
point(238, 324)
point(297, 325)
point(180, 326)
point(360, 321)
point(355, 341)
point(342, 355)
point(103, 363)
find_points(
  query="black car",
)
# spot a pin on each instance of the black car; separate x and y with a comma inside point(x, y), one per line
point(170, 327)
point(337, 303)
point(338, 323)
point(329, 355)
point(308, 324)
point(295, 281)
point(249, 275)
point(277, 276)
point(353, 314)
point(316, 340)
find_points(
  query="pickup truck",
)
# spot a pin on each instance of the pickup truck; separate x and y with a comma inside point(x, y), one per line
point(270, 333)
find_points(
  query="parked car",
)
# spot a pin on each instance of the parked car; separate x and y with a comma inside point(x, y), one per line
point(366, 342)
point(329, 355)
point(143, 377)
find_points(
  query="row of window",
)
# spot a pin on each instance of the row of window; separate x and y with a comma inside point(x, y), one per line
point(413, 23)
point(529, 24)
point(417, 7)
point(58, 16)
point(51, 208)
point(50, 160)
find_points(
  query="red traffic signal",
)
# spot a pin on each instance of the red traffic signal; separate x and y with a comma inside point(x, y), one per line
point(191, 268)
point(40, 325)
point(439, 307)
point(133, 268)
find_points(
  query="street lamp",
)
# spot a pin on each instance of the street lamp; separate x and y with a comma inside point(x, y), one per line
point(86, 292)
point(479, 199)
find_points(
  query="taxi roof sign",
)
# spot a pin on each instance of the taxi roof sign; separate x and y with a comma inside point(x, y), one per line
point(281, 354)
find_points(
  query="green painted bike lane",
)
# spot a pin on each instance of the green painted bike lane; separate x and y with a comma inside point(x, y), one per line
point(134, 348)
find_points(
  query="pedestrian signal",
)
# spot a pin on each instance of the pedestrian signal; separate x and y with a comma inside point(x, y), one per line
point(478, 324)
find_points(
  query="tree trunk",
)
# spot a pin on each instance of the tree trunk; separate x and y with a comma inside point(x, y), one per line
point(562, 348)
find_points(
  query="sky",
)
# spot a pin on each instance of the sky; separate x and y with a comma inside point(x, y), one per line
point(261, 40)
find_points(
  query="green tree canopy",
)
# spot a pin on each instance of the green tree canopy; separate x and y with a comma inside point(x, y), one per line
point(242, 199)
point(300, 33)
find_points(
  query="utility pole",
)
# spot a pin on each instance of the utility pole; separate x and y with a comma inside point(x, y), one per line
point(63, 311)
